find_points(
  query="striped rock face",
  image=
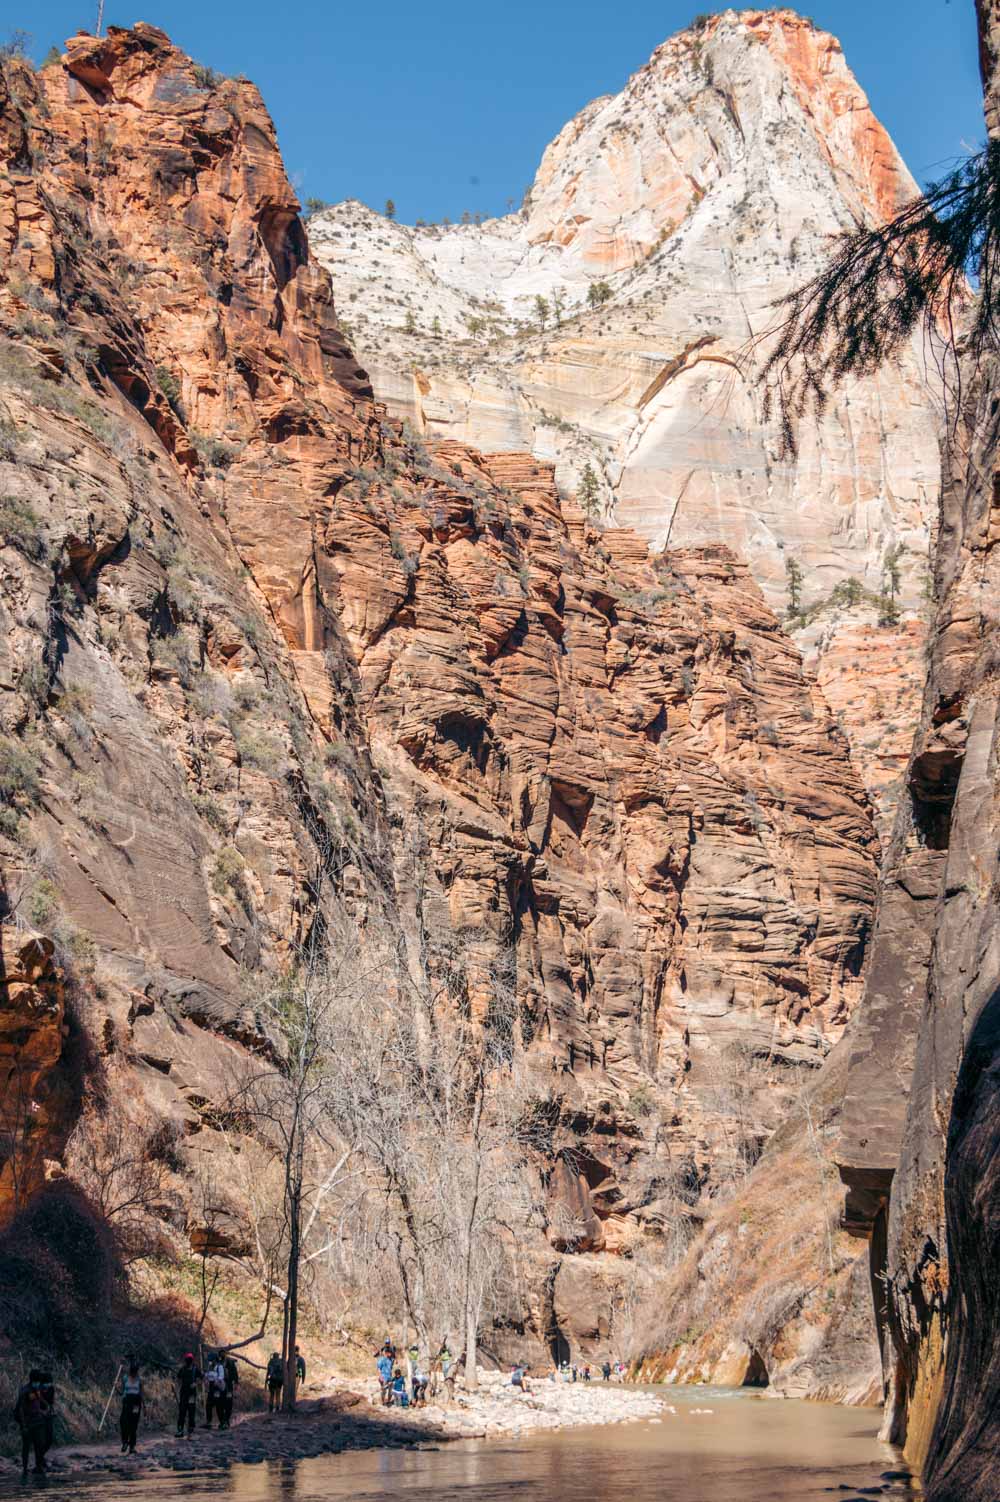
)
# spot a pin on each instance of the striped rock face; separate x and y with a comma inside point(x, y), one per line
point(249, 625)
point(663, 226)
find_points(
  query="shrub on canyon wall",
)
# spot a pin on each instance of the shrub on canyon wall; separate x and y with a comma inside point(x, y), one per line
point(64, 1304)
point(60, 1274)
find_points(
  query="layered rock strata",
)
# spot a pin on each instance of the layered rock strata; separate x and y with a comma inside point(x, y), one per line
point(249, 627)
point(608, 323)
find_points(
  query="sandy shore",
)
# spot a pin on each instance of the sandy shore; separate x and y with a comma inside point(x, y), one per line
point(350, 1417)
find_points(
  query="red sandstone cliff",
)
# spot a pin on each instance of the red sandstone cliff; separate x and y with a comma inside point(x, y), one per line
point(244, 618)
point(696, 198)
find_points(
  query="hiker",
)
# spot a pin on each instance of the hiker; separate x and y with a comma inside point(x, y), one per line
point(586, 1374)
point(132, 1406)
point(275, 1379)
point(606, 1370)
point(232, 1381)
point(300, 1366)
point(32, 1412)
point(421, 1382)
point(188, 1377)
point(383, 1365)
point(518, 1377)
point(215, 1390)
point(400, 1397)
point(446, 1361)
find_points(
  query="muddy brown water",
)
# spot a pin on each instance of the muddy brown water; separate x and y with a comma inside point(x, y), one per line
point(744, 1448)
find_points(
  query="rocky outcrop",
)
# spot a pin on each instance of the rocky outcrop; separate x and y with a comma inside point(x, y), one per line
point(663, 226)
point(770, 1291)
point(250, 629)
point(36, 1105)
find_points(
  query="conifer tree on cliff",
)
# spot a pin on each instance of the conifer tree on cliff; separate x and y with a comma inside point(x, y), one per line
point(588, 491)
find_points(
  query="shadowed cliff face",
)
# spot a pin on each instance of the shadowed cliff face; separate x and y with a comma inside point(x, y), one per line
point(920, 1133)
point(247, 625)
point(918, 1143)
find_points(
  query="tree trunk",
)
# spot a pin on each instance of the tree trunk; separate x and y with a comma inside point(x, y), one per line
point(292, 1300)
point(471, 1303)
point(471, 1339)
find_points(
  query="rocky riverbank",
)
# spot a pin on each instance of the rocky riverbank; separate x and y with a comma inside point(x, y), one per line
point(497, 1408)
point(321, 1426)
point(354, 1420)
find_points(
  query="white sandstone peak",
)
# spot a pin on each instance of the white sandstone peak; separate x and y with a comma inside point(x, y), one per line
point(604, 323)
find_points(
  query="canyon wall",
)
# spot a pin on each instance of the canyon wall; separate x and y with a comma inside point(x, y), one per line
point(919, 1137)
point(918, 1149)
point(664, 225)
point(248, 626)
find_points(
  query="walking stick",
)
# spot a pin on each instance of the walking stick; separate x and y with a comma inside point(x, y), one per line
point(110, 1396)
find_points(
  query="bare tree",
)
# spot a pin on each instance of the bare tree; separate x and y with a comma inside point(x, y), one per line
point(738, 1090)
point(125, 1168)
point(428, 1091)
point(284, 1097)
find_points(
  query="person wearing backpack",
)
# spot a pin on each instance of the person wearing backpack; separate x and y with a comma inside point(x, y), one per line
point(132, 1406)
point(275, 1380)
point(215, 1390)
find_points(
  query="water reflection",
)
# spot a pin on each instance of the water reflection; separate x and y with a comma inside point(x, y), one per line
point(716, 1447)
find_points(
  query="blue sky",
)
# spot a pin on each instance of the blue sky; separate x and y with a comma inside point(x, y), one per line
point(448, 105)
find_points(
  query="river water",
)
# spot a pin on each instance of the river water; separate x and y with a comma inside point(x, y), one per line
point(716, 1447)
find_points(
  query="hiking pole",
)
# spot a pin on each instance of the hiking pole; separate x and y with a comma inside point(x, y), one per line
point(110, 1396)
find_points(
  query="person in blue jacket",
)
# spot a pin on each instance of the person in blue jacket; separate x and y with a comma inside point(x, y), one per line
point(383, 1365)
